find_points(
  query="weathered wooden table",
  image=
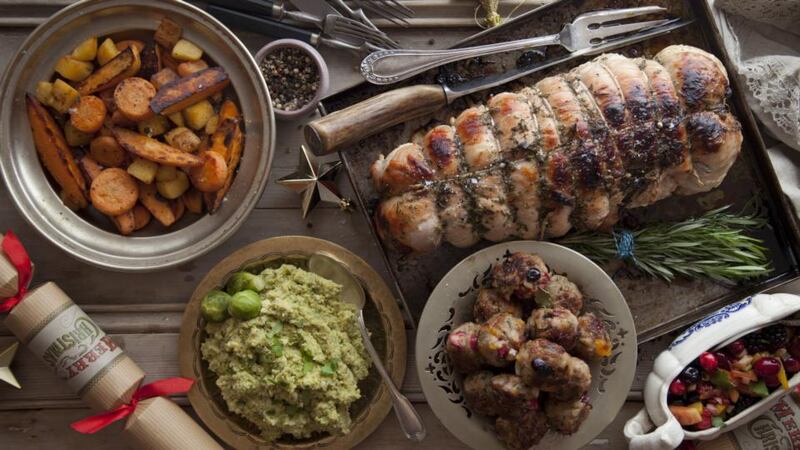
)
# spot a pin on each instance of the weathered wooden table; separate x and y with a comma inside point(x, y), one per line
point(143, 311)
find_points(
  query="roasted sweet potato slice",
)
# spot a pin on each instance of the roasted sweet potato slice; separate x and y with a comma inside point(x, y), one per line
point(178, 208)
point(132, 97)
point(151, 63)
point(160, 209)
point(234, 140)
point(124, 65)
point(55, 153)
point(193, 199)
point(90, 167)
point(88, 114)
point(210, 177)
point(141, 216)
point(153, 150)
point(114, 192)
point(167, 61)
point(122, 45)
point(187, 91)
point(106, 151)
point(125, 222)
point(168, 33)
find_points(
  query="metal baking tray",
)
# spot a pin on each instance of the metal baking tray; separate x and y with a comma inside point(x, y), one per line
point(658, 307)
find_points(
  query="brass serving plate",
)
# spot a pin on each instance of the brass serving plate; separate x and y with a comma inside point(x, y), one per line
point(657, 307)
point(381, 314)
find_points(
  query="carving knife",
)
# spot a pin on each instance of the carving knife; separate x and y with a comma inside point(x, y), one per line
point(354, 123)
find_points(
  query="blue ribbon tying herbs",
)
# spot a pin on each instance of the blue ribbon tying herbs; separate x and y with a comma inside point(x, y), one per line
point(623, 240)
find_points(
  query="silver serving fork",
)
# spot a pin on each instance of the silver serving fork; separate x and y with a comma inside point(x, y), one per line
point(581, 36)
point(391, 10)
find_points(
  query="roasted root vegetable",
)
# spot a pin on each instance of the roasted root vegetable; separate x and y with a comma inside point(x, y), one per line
point(210, 177)
point(73, 69)
point(44, 92)
point(177, 119)
point(106, 151)
point(141, 217)
point(122, 66)
point(86, 50)
point(132, 97)
point(166, 173)
point(107, 51)
point(55, 154)
point(63, 96)
point(149, 148)
point(174, 188)
point(227, 140)
point(168, 33)
point(178, 208)
point(76, 137)
point(185, 50)
point(189, 67)
point(114, 192)
point(167, 61)
point(183, 138)
point(163, 76)
point(151, 63)
point(193, 199)
point(197, 115)
point(122, 45)
point(161, 210)
point(90, 167)
point(125, 222)
point(88, 114)
point(143, 170)
point(154, 126)
point(186, 91)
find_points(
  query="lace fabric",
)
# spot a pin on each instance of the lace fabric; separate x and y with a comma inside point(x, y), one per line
point(784, 14)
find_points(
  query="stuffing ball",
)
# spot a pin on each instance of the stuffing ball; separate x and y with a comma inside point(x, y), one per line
point(556, 324)
point(549, 367)
point(521, 433)
point(491, 302)
point(500, 338)
point(520, 275)
point(559, 291)
point(462, 348)
point(567, 416)
point(593, 339)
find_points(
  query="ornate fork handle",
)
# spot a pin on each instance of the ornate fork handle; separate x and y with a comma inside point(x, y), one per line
point(389, 66)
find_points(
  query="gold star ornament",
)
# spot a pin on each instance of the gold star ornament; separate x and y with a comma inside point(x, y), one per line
point(315, 182)
point(6, 356)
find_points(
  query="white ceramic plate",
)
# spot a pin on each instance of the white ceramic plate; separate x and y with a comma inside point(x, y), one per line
point(450, 305)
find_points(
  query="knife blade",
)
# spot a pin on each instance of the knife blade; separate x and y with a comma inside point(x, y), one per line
point(356, 122)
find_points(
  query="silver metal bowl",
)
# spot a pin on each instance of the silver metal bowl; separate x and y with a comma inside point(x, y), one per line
point(90, 238)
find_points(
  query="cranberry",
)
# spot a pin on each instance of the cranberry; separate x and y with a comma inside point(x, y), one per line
point(767, 366)
point(690, 375)
point(677, 387)
point(722, 361)
point(792, 365)
point(772, 381)
point(794, 347)
point(473, 342)
point(708, 362)
point(735, 348)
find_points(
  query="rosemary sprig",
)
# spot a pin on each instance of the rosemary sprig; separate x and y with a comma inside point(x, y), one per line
point(713, 246)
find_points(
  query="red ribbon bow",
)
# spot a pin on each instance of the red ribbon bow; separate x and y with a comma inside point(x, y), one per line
point(19, 258)
point(165, 387)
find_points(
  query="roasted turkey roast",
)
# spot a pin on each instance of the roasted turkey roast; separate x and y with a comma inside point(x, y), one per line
point(569, 151)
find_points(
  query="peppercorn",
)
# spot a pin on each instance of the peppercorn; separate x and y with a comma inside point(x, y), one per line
point(292, 77)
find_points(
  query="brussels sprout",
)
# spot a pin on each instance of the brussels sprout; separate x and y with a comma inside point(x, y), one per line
point(215, 306)
point(245, 305)
point(241, 281)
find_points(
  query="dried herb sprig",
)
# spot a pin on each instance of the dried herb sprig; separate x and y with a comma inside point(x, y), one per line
point(713, 246)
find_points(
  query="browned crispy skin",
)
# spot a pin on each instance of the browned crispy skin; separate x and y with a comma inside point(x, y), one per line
point(122, 66)
point(177, 95)
point(154, 150)
point(55, 154)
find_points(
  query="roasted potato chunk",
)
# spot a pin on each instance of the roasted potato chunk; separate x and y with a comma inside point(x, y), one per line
point(189, 67)
point(73, 69)
point(154, 126)
point(168, 33)
point(76, 137)
point(174, 188)
point(87, 50)
point(185, 50)
point(197, 115)
point(183, 138)
point(107, 51)
point(143, 170)
point(63, 96)
point(163, 77)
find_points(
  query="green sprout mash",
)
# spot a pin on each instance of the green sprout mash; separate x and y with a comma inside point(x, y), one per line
point(293, 369)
